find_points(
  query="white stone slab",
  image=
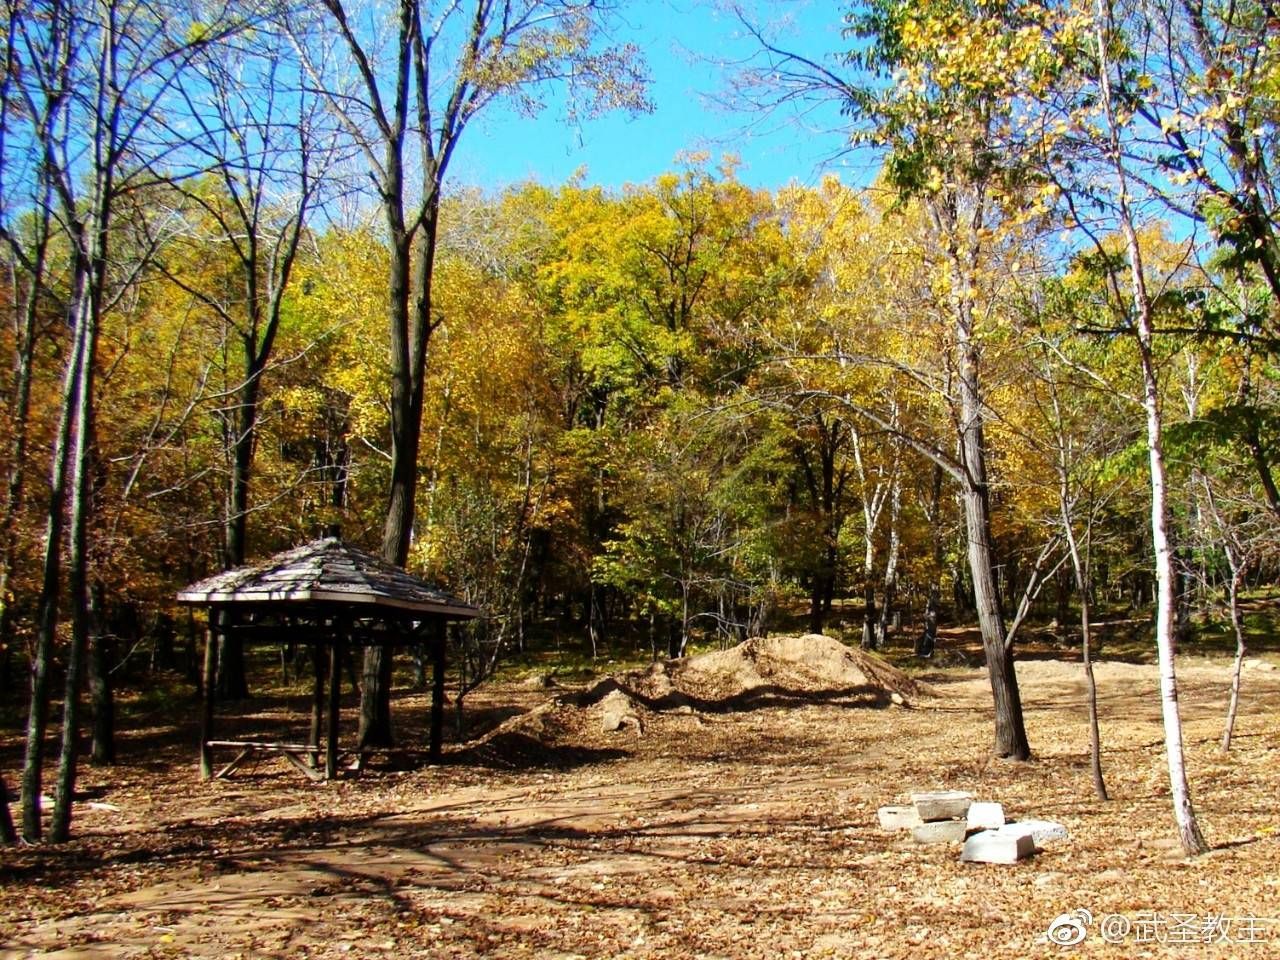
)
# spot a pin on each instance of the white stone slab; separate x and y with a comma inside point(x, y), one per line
point(942, 805)
point(898, 818)
point(985, 816)
point(940, 831)
point(994, 846)
point(1041, 831)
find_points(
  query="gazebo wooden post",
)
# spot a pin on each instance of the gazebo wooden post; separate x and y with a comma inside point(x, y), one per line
point(317, 699)
point(208, 691)
point(335, 690)
point(439, 630)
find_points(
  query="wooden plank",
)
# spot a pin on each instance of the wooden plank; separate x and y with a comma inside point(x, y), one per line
point(311, 772)
point(207, 689)
point(392, 751)
point(241, 757)
point(276, 746)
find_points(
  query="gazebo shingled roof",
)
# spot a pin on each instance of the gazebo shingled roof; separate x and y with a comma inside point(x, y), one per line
point(327, 571)
point(332, 584)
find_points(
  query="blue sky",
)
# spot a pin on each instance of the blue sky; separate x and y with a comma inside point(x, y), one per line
point(690, 46)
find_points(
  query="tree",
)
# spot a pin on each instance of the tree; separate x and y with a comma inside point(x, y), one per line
point(1078, 441)
point(95, 78)
point(259, 133)
point(932, 86)
point(879, 489)
point(1242, 544)
point(1204, 94)
point(415, 90)
point(1094, 163)
point(26, 213)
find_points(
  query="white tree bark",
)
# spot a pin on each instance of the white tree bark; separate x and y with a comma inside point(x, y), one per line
point(1193, 841)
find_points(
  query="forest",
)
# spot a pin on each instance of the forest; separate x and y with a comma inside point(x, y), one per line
point(1023, 377)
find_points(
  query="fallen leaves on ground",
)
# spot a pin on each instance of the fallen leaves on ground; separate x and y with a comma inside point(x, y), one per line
point(742, 832)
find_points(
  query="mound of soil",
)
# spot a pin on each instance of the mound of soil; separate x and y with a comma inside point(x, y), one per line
point(810, 664)
point(756, 674)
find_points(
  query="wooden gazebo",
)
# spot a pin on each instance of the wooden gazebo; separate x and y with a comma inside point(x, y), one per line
point(330, 595)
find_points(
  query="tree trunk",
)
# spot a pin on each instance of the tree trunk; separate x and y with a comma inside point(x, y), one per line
point(60, 822)
point(927, 641)
point(1010, 733)
point(1183, 811)
point(928, 638)
point(1193, 842)
point(232, 679)
point(232, 682)
point(103, 751)
point(870, 619)
point(1258, 452)
point(19, 413)
point(375, 708)
point(8, 835)
point(1091, 697)
point(1185, 587)
point(51, 579)
point(888, 611)
point(81, 507)
point(817, 615)
point(26, 327)
point(871, 519)
point(1234, 600)
point(1086, 653)
point(410, 331)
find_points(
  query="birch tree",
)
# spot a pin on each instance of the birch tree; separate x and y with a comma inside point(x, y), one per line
point(1095, 175)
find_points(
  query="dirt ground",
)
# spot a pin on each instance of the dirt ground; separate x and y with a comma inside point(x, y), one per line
point(718, 821)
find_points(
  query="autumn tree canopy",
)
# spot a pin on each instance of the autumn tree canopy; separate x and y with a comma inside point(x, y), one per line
point(244, 302)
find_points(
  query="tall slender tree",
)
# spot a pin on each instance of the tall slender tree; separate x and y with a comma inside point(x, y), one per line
point(260, 134)
point(405, 96)
point(1095, 173)
point(97, 75)
point(941, 118)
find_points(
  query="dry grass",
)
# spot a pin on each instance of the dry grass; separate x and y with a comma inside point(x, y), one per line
point(742, 828)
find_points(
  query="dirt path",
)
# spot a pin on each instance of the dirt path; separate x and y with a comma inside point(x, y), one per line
point(739, 834)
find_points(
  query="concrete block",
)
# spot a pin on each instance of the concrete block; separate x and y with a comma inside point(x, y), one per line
point(1041, 831)
point(993, 846)
point(940, 831)
point(942, 805)
point(898, 818)
point(985, 816)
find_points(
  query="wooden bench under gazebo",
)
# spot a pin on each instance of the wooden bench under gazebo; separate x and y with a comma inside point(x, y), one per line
point(329, 595)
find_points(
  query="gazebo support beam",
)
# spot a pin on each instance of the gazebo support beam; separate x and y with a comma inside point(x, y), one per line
point(208, 692)
point(438, 636)
point(335, 690)
point(317, 700)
